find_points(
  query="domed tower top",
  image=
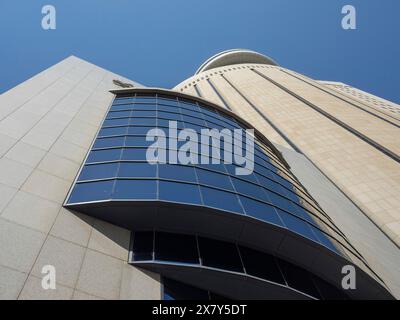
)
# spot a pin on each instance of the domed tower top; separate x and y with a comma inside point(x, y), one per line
point(235, 56)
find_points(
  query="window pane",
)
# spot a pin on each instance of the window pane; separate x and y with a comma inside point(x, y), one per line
point(98, 171)
point(116, 122)
point(109, 142)
point(261, 265)
point(328, 291)
point(145, 99)
point(121, 107)
point(137, 141)
point(221, 200)
point(142, 113)
point(135, 189)
point(139, 130)
point(194, 120)
point(260, 210)
point(219, 254)
point(118, 114)
point(174, 290)
point(119, 100)
point(137, 170)
point(104, 155)
point(143, 122)
point(104, 132)
point(179, 192)
point(214, 179)
point(176, 248)
point(177, 172)
point(168, 102)
point(298, 278)
point(142, 246)
point(249, 189)
point(169, 115)
point(297, 225)
point(138, 154)
point(91, 191)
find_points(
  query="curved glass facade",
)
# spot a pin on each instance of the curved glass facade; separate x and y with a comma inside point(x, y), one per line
point(117, 171)
point(200, 252)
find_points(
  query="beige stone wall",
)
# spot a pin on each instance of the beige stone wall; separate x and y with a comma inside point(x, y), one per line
point(46, 127)
point(366, 175)
point(372, 101)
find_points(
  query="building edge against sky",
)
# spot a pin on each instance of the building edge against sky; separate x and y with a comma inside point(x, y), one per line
point(48, 124)
point(350, 138)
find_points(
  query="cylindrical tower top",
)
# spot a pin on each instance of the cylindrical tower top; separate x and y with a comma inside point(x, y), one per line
point(235, 56)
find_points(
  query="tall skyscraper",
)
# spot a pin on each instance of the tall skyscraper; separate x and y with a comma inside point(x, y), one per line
point(78, 192)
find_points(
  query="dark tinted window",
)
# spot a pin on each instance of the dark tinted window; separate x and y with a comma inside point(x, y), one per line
point(299, 279)
point(176, 247)
point(143, 246)
point(219, 254)
point(174, 290)
point(261, 265)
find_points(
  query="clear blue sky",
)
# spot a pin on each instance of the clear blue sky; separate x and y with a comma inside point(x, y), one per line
point(160, 42)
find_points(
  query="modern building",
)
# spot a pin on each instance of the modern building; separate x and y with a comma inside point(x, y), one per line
point(77, 191)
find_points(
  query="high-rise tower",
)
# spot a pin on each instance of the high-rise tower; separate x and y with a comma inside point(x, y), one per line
point(79, 193)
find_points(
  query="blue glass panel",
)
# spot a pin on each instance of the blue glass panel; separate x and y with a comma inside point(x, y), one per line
point(216, 167)
point(179, 192)
point(324, 239)
point(109, 142)
point(221, 199)
point(137, 141)
point(177, 172)
point(281, 202)
point(105, 132)
point(99, 171)
point(144, 106)
point(166, 123)
point(138, 154)
point(91, 191)
point(118, 100)
point(139, 130)
point(188, 105)
point(104, 155)
point(249, 189)
point(249, 177)
point(143, 122)
point(121, 107)
point(118, 114)
point(139, 99)
point(168, 102)
point(207, 110)
point(137, 169)
point(144, 113)
point(297, 225)
point(194, 120)
point(260, 210)
point(169, 115)
point(116, 122)
point(192, 113)
point(214, 179)
point(194, 127)
point(270, 185)
point(135, 189)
